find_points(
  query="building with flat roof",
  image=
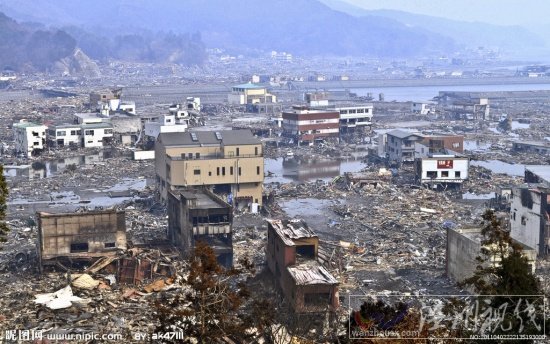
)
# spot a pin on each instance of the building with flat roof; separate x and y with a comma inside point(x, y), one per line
point(250, 94)
point(199, 215)
point(305, 124)
point(96, 134)
point(292, 249)
point(29, 137)
point(62, 135)
point(229, 162)
point(442, 170)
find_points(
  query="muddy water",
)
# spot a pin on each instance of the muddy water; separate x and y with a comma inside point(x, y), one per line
point(287, 170)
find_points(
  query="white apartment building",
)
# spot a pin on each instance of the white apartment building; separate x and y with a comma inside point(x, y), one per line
point(164, 124)
point(29, 137)
point(64, 135)
point(96, 134)
point(356, 116)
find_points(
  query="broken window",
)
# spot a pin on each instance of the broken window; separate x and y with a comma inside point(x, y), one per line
point(196, 171)
point(239, 171)
point(190, 155)
point(197, 155)
point(89, 132)
point(457, 174)
point(237, 151)
point(445, 174)
point(431, 174)
point(306, 251)
point(108, 131)
point(523, 220)
point(255, 150)
point(231, 170)
point(79, 247)
point(223, 171)
point(109, 245)
point(316, 299)
point(258, 170)
point(61, 133)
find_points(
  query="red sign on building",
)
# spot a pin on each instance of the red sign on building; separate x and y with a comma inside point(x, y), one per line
point(444, 163)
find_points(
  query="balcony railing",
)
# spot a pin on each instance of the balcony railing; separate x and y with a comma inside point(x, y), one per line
point(212, 157)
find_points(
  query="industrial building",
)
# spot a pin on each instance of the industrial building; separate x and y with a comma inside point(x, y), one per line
point(250, 94)
point(229, 162)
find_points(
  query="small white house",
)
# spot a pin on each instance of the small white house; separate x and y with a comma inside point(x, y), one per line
point(442, 169)
point(29, 137)
point(96, 134)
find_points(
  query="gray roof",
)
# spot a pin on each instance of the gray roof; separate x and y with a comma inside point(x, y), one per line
point(292, 230)
point(402, 133)
point(311, 273)
point(228, 138)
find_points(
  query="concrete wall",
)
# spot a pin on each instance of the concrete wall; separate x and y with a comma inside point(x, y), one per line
point(526, 222)
point(461, 254)
point(100, 231)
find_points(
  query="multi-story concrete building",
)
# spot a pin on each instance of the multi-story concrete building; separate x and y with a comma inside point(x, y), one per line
point(355, 117)
point(420, 108)
point(292, 249)
point(96, 134)
point(199, 215)
point(164, 124)
point(29, 137)
point(308, 125)
point(530, 217)
point(400, 145)
point(230, 162)
point(64, 135)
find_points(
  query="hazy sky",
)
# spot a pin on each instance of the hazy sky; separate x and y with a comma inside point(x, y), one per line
point(504, 12)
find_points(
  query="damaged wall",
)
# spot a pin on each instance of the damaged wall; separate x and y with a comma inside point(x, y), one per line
point(80, 234)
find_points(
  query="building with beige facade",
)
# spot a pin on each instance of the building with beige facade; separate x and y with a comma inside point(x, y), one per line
point(229, 162)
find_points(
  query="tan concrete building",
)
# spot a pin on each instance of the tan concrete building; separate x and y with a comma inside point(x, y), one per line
point(230, 162)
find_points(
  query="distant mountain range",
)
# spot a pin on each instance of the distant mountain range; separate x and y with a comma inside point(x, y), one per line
point(178, 31)
point(466, 34)
point(304, 27)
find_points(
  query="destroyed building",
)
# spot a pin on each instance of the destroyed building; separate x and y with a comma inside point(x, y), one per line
point(304, 124)
point(29, 137)
point(537, 147)
point(292, 249)
point(537, 174)
point(404, 146)
point(465, 105)
point(199, 215)
point(230, 162)
point(70, 237)
point(530, 217)
point(463, 248)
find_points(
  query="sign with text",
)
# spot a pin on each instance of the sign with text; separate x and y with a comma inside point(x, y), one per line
point(444, 163)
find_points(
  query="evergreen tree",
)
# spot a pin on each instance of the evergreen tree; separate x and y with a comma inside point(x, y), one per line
point(4, 229)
